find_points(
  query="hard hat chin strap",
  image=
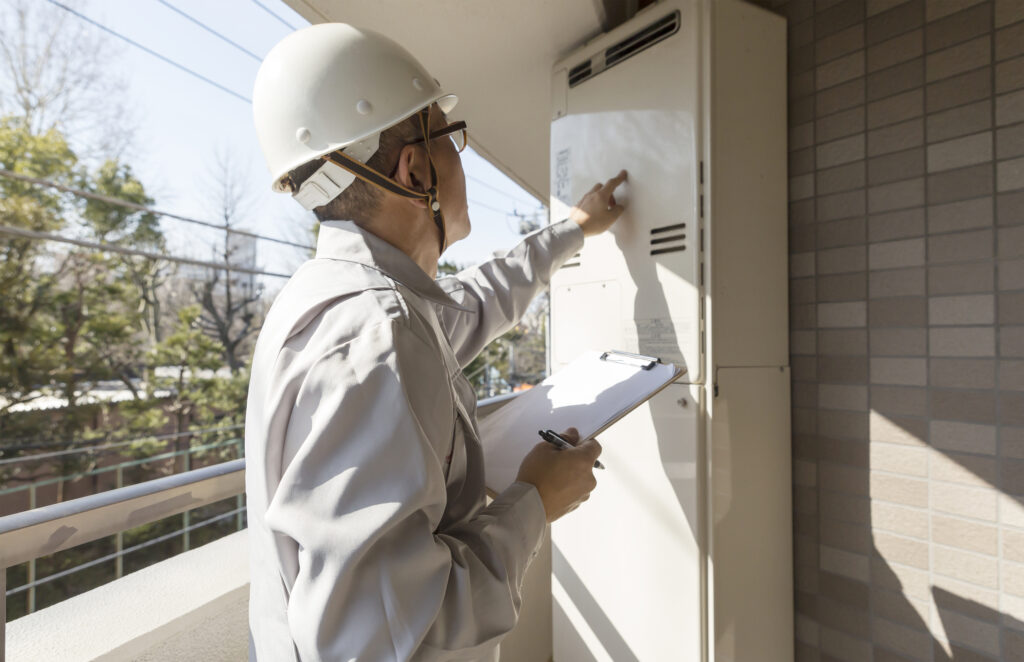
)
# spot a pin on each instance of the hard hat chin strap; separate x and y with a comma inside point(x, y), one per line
point(371, 176)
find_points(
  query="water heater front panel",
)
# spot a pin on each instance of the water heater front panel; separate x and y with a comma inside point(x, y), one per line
point(640, 114)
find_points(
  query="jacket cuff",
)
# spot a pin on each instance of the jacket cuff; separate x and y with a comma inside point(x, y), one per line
point(522, 504)
point(566, 239)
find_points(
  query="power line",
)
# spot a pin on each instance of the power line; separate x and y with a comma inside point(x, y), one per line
point(132, 205)
point(487, 206)
point(32, 234)
point(150, 51)
point(210, 30)
point(272, 13)
point(498, 190)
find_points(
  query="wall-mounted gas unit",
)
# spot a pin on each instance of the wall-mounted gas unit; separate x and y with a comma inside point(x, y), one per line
point(684, 550)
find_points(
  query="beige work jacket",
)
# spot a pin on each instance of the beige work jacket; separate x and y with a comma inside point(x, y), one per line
point(368, 530)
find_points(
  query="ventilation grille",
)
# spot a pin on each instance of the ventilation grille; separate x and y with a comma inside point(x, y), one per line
point(661, 29)
point(668, 239)
point(574, 261)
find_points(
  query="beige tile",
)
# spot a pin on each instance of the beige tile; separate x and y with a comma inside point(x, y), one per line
point(1009, 108)
point(960, 27)
point(846, 177)
point(970, 631)
point(906, 46)
point(958, 59)
point(844, 647)
point(842, 342)
point(911, 522)
point(899, 400)
point(839, 70)
point(1011, 242)
point(1010, 174)
point(1011, 341)
point(879, 6)
point(1008, 11)
point(966, 535)
point(896, 254)
point(899, 459)
point(898, 549)
point(806, 630)
point(842, 315)
point(841, 562)
point(1010, 74)
point(962, 341)
point(897, 195)
point(840, 478)
point(963, 437)
point(899, 342)
point(801, 264)
point(898, 312)
point(896, 283)
point(897, 137)
point(901, 578)
point(963, 468)
point(960, 247)
point(899, 490)
point(908, 372)
point(896, 429)
point(840, 151)
point(1011, 274)
point(842, 396)
point(895, 79)
point(1012, 610)
point(1009, 41)
point(1013, 578)
point(842, 287)
point(962, 373)
point(987, 601)
point(898, 108)
point(966, 278)
point(962, 405)
point(801, 187)
point(961, 215)
point(802, 342)
point(1011, 511)
point(841, 260)
point(974, 502)
point(1013, 545)
point(959, 90)
point(960, 152)
point(962, 310)
point(960, 121)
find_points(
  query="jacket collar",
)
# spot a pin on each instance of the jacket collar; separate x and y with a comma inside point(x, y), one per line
point(346, 241)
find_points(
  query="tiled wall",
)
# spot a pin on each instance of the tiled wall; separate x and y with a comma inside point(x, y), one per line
point(906, 170)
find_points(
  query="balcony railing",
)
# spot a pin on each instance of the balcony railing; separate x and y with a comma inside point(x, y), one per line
point(42, 531)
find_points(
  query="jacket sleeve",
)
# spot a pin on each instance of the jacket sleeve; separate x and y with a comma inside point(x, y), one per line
point(499, 291)
point(362, 498)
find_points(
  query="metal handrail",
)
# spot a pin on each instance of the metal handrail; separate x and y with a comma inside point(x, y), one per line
point(42, 531)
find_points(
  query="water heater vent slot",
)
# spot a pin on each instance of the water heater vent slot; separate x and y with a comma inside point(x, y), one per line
point(633, 44)
point(579, 73)
point(668, 228)
point(668, 239)
point(673, 249)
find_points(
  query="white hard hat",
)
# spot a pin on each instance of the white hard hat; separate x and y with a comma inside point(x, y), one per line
point(332, 86)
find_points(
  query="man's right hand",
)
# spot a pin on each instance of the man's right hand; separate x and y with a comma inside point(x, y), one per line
point(564, 478)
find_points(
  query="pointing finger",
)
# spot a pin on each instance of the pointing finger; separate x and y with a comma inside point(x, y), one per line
point(612, 183)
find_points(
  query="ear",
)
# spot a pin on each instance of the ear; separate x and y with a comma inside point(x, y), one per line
point(413, 172)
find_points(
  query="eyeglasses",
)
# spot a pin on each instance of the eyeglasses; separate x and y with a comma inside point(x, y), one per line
point(456, 131)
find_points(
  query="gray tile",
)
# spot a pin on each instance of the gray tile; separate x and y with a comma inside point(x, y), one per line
point(801, 187)
point(963, 215)
point(958, 90)
point(962, 373)
point(962, 310)
point(801, 290)
point(1011, 377)
point(841, 43)
point(840, 151)
point(1010, 41)
point(839, 97)
point(936, 9)
point(801, 85)
point(973, 341)
point(899, 19)
point(801, 264)
point(896, 166)
point(844, 314)
point(961, 184)
point(841, 178)
point(849, 232)
point(1011, 412)
point(840, 205)
point(960, 121)
point(1010, 141)
point(898, 342)
point(801, 211)
point(1010, 74)
point(839, 70)
point(896, 50)
point(1008, 11)
point(800, 34)
point(837, 18)
point(1010, 208)
point(894, 80)
point(801, 237)
point(801, 161)
point(840, 124)
point(896, 283)
point(961, 278)
point(1011, 241)
point(801, 137)
point(896, 137)
point(896, 225)
point(897, 195)
point(959, 27)
point(896, 108)
point(966, 406)
point(908, 372)
point(896, 254)
point(842, 369)
point(958, 59)
point(1011, 274)
point(905, 400)
point(801, 110)
point(842, 342)
point(1011, 341)
point(842, 287)
point(960, 152)
point(1011, 307)
point(797, 10)
point(842, 260)
point(1010, 174)
point(803, 316)
point(898, 311)
point(960, 247)
point(800, 59)
point(1010, 108)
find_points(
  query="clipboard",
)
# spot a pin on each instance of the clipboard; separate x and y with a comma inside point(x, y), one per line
point(590, 394)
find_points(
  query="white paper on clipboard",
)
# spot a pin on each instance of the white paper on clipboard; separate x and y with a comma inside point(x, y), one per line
point(589, 394)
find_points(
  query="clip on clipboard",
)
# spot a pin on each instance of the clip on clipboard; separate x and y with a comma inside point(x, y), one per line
point(590, 394)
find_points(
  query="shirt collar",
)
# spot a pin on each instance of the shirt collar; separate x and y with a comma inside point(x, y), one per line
point(344, 240)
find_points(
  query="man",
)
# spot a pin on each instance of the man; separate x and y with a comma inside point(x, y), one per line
point(370, 538)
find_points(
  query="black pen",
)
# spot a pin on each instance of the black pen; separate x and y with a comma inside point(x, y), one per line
point(558, 440)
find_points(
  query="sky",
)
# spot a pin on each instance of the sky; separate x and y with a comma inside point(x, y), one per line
point(182, 123)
